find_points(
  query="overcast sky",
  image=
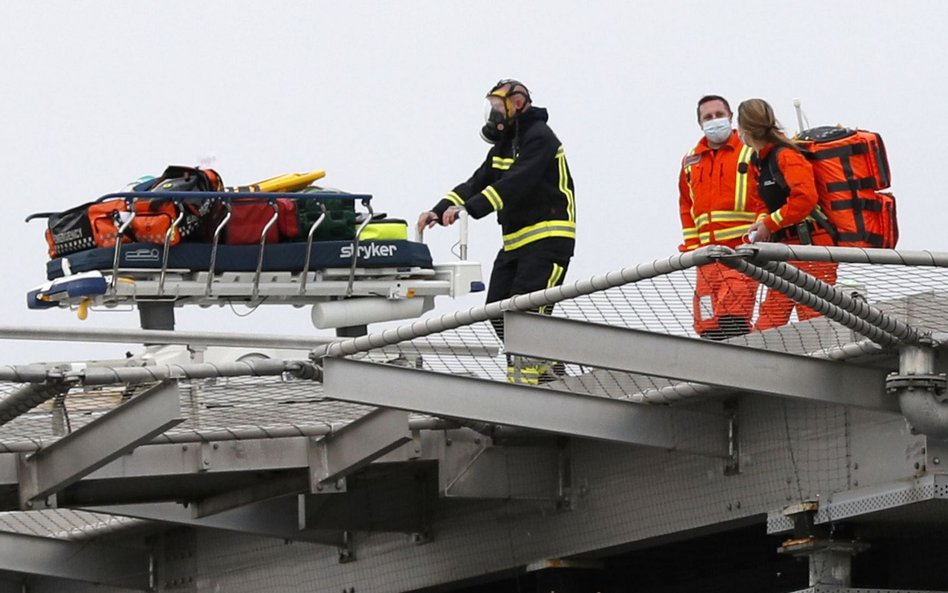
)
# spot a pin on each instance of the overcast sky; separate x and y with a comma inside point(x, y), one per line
point(387, 97)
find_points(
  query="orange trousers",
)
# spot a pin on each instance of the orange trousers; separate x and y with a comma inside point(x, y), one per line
point(723, 302)
point(777, 307)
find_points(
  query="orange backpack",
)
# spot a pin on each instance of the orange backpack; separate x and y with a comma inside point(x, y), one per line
point(87, 226)
point(850, 167)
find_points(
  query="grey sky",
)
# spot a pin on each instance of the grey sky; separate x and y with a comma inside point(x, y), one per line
point(387, 97)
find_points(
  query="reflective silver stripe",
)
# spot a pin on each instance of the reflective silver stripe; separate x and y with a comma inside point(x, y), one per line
point(541, 230)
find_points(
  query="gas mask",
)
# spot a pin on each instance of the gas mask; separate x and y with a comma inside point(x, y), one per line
point(496, 123)
point(500, 118)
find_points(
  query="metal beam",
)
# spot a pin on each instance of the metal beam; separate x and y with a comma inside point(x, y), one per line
point(264, 490)
point(535, 408)
point(157, 336)
point(80, 561)
point(356, 445)
point(96, 444)
point(150, 374)
point(279, 518)
point(174, 459)
point(689, 359)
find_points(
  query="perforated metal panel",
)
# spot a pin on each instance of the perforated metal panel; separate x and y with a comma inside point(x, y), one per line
point(882, 502)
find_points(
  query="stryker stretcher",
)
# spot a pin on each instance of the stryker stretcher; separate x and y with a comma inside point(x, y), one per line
point(349, 282)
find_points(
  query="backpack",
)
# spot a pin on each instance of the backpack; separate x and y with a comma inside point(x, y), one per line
point(850, 166)
point(153, 217)
point(90, 225)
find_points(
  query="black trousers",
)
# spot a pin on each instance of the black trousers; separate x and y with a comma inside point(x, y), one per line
point(533, 267)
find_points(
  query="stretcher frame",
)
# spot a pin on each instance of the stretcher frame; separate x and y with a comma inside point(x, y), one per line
point(129, 285)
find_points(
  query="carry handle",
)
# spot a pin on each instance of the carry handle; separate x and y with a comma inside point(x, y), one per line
point(263, 246)
point(462, 244)
point(166, 248)
point(355, 246)
point(116, 259)
point(463, 217)
point(309, 247)
point(214, 244)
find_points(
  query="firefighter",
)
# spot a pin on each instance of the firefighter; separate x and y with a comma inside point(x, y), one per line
point(717, 197)
point(526, 181)
point(789, 196)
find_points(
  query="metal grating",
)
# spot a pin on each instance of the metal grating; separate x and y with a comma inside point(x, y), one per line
point(865, 502)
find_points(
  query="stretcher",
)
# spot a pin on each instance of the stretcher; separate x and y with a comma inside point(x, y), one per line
point(348, 282)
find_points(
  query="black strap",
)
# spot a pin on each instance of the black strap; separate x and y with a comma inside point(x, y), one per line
point(865, 205)
point(839, 152)
point(873, 239)
point(854, 184)
point(802, 231)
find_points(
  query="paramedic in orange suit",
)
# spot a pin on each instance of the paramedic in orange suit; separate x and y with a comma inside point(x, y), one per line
point(717, 196)
point(788, 193)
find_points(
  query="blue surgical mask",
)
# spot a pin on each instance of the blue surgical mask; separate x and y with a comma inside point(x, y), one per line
point(717, 130)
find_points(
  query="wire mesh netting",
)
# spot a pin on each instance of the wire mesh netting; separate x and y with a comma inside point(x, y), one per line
point(664, 304)
point(798, 450)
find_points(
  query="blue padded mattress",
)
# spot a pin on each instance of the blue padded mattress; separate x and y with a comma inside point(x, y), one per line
point(284, 257)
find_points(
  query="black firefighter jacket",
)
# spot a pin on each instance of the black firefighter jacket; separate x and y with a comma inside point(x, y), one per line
point(526, 181)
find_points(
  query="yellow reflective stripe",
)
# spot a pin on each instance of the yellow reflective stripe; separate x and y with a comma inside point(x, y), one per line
point(454, 199)
point(691, 191)
point(733, 217)
point(777, 217)
point(702, 220)
point(501, 163)
point(555, 276)
point(691, 233)
point(740, 183)
point(493, 197)
point(526, 375)
point(564, 184)
point(732, 233)
point(527, 370)
point(541, 230)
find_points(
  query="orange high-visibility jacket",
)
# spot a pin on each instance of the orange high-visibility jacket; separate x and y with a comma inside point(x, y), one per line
point(798, 187)
point(717, 194)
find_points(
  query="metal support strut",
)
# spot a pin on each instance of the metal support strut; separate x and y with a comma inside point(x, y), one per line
point(920, 391)
point(829, 553)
